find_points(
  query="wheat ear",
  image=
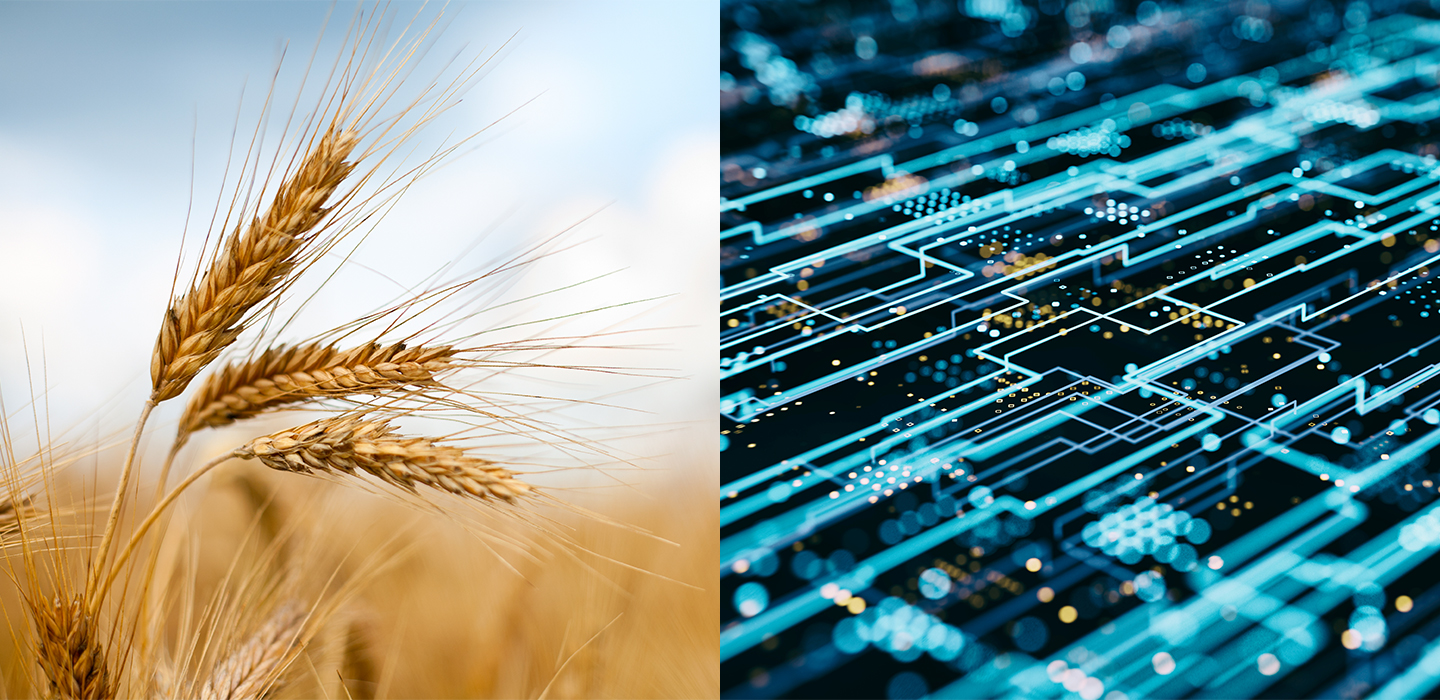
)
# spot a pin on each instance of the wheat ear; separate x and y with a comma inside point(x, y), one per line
point(348, 444)
point(69, 651)
point(254, 670)
point(284, 376)
point(254, 263)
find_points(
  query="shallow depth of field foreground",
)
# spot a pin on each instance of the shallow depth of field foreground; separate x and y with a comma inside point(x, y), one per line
point(349, 351)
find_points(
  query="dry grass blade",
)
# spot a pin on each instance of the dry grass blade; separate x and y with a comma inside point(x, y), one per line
point(284, 376)
point(350, 444)
point(255, 262)
point(255, 669)
point(68, 650)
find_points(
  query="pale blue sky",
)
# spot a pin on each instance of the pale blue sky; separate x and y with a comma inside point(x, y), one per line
point(99, 102)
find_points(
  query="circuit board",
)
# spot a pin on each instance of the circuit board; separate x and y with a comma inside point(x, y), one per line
point(1080, 348)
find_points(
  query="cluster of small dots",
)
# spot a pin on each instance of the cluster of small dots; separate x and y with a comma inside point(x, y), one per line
point(879, 479)
point(1088, 142)
point(903, 630)
point(915, 109)
point(937, 372)
point(942, 202)
point(1355, 114)
point(1421, 296)
point(1120, 212)
point(1181, 129)
point(863, 111)
point(1428, 170)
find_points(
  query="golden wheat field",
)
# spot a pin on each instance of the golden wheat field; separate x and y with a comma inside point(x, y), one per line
point(351, 350)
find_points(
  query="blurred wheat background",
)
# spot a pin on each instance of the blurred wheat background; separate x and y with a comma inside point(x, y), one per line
point(118, 117)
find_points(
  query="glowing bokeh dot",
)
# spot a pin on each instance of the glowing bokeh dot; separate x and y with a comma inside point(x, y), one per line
point(751, 599)
point(1269, 665)
point(1350, 639)
point(1164, 663)
point(934, 584)
point(1068, 614)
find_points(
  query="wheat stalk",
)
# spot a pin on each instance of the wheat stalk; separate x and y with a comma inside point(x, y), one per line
point(283, 376)
point(254, 670)
point(319, 198)
point(348, 444)
point(255, 263)
point(69, 650)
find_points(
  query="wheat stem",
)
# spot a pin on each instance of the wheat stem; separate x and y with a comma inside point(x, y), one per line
point(92, 601)
point(154, 515)
point(165, 468)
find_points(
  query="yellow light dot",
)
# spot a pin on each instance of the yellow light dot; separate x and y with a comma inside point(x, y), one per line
point(741, 566)
point(835, 363)
point(1350, 639)
point(1404, 604)
point(733, 322)
point(1033, 564)
point(1045, 595)
point(856, 605)
point(1068, 614)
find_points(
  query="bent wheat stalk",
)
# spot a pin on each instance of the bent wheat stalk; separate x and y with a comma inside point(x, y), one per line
point(255, 669)
point(350, 444)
